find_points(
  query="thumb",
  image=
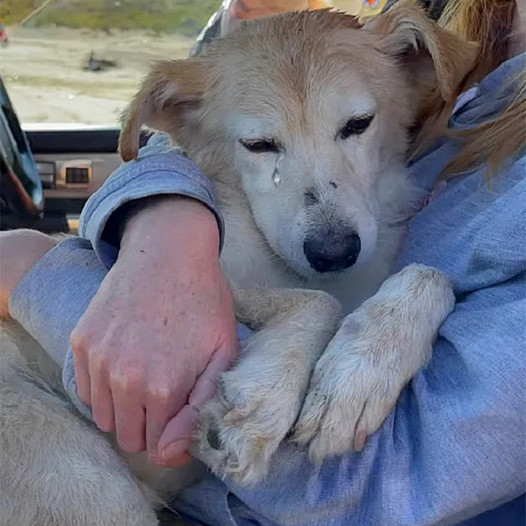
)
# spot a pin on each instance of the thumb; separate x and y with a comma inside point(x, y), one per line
point(206, 385)
point(178, 433)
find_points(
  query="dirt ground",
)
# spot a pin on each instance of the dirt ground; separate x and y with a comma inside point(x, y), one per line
point(42, 69)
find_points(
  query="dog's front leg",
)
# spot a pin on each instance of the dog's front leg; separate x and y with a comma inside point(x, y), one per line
point(260, 398)
point(377, 350)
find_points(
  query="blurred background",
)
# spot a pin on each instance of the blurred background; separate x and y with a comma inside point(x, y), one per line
point(79, 61)
point(67, 70)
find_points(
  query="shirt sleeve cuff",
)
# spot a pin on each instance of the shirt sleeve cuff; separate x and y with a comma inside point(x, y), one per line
point(157, 172)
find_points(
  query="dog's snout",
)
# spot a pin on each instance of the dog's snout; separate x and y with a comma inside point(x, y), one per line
point(332, 253)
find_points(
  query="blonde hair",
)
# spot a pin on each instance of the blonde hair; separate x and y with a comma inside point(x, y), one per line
point(496, 141)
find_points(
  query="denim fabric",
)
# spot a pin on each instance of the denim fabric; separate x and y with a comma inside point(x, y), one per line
point(159, 169)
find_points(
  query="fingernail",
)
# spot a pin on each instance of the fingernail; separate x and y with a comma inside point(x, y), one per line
point(171, 450)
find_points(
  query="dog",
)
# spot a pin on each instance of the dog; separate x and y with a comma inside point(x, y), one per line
point(303, 123)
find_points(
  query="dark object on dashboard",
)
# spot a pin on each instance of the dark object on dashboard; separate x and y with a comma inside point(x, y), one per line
point(77, 175)
point(21, 194)
point(20, 189)
point(82, 141)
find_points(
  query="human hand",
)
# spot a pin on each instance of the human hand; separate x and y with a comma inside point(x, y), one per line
point(19, 251)
point(159, 331)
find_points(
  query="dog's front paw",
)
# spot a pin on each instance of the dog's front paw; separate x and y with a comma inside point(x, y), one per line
point(350, 394)
point(244, 424)
point(375, 353)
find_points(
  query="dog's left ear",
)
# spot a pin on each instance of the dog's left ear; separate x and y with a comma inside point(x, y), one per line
point(169, 93)
point(406, 33)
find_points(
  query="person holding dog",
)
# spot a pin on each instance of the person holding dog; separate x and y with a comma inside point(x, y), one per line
point(452, 449)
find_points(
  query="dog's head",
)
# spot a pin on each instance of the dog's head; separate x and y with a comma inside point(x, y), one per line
point(309, 114)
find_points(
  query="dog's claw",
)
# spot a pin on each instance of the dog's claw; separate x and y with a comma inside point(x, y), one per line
point(359, 440)
point(346, 402)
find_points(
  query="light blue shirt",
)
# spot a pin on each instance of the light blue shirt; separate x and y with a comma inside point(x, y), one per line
point(454, 446)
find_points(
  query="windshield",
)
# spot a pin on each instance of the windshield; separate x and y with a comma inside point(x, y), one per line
point(80, 61)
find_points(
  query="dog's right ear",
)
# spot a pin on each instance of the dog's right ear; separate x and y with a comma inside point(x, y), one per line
point(428, 52)
point(171, 90)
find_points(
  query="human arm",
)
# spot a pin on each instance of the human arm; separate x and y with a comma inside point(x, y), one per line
point(170, 233)
point(171, 327)
point(194, 302)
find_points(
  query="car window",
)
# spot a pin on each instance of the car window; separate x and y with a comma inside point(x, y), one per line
point(79, 61)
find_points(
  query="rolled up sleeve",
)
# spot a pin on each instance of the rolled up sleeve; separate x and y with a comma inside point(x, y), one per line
point(159, 170)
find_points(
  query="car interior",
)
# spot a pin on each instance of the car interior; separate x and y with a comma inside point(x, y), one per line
point(47, 175)
point(53, 158)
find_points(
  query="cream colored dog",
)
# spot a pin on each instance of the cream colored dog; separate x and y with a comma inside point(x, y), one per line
point(302, 122)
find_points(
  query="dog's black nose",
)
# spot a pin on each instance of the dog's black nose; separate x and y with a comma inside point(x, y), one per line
point(328, 255)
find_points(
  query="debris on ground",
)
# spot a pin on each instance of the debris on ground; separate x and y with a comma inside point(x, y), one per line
point(98, 64)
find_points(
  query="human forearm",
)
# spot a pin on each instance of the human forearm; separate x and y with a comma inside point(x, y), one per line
point(19, 251)
point(155, 219)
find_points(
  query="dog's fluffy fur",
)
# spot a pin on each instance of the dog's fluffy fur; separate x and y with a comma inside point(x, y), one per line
point(294, 80)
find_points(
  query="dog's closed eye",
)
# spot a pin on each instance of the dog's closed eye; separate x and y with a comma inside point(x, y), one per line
point(261, 145)
point(354, 126)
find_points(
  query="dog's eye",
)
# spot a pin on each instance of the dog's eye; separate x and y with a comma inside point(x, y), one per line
point(260, 145)
point(355, 126)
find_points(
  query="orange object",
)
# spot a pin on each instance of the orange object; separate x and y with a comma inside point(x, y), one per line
point(372, 8)
point(249, 9)
point(237, 11)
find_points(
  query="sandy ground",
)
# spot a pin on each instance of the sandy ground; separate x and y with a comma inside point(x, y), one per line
point(42, 69)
